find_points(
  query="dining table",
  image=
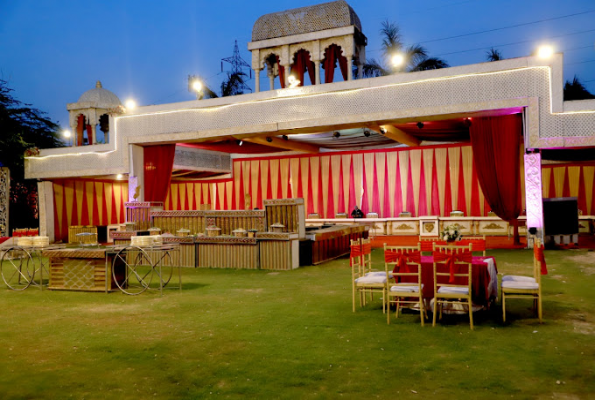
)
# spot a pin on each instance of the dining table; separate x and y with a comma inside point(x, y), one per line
point(484, 275)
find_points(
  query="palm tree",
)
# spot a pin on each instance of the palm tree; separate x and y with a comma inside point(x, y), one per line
point(494, 55)
point(575, 90)
point(416, 56)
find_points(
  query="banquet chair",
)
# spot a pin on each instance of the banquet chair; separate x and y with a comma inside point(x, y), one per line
point(452, 278)
point(478, 242)
point(403, 264)
point(427, 243)
point(526, 287)
point(364, 280)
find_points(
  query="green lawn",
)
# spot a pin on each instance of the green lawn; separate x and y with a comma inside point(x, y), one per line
point(292, 335)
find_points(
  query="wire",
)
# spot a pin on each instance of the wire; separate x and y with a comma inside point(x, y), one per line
point(519, 42)
point(506, 27)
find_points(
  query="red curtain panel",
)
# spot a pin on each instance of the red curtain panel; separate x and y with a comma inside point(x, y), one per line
point(158, 163)
point(496, 152)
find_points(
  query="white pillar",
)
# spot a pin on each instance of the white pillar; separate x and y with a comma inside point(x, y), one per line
point(136, 177)
point(287, 69)
point(533, 195)
point(93, 134)
point(257, 80)
point(317, 70)
point(45, 193)
point(349, 68)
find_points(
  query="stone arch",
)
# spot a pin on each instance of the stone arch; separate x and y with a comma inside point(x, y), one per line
point(301, 63)
point(334, 54)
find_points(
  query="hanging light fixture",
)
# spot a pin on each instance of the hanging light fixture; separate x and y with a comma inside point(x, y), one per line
point(420, 125)
point(337, 134)
point(366, 132)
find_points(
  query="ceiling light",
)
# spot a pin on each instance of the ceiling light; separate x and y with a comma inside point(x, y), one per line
point(269, 139)
point(467, 122)
point(382, 130)
point(119, 176)
point(420, 125)
point(337, 134)
point(285, 137)
point(240, 142)
point(366, 132)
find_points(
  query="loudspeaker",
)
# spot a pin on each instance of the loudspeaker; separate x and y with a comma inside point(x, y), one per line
point(560, 216)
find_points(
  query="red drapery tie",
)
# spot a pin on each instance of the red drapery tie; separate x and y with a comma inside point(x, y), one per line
point(450, 258)
point(402, 259)
point(356, 251)
point(539, 256)
point(478, 244)
point(428, 245)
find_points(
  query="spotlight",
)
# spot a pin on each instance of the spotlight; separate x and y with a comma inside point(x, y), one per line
point(382, 130)
point(240, 142)
point(398, 60)
point(269, 139)
point(366, 133)
point(119, 176)
point(545, 51)
point(467, 122)
point(130, 104)
point(532, 230)
point(420, 125)
point(337, 134)
point(285, 137)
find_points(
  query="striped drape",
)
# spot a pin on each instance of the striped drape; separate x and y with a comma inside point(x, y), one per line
point(88, 202)
point(429, 181)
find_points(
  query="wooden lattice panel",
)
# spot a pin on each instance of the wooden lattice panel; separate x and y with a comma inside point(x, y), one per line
point(227, 256)
point(279, 255)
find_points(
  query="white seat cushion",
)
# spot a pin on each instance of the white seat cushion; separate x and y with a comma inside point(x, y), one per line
point(405, 288)
point(520, 285)
point(371, 279)
point(377, 273)
point(518, 278)
point(450, 289)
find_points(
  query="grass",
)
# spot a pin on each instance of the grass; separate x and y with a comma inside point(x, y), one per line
point(261, 334)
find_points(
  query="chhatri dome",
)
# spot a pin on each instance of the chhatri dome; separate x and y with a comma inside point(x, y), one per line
point(336, 14)
point(100, 96)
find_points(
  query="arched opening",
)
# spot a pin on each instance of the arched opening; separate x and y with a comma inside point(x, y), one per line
point(84, 131)
point(104, 129)
point(302, 63)
point(332, 54)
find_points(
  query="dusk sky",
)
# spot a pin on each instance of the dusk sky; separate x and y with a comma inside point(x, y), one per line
point(53, 51)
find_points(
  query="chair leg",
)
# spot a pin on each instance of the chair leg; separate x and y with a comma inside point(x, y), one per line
point(388, 310)
point(435, 312)
point(471, 313)
point(539, 309)
point(398, 307)
point(422, 312)
point(353, 292)
point(503, 307)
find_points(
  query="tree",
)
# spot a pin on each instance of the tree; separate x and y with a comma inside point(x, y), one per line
point(22, 128)
point(575, 90)
point(494, 55)
point(415, 56)
point(234, 84)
